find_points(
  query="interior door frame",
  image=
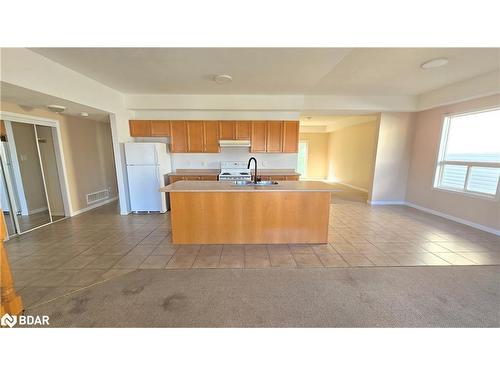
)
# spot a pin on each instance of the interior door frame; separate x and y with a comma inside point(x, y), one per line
point(58, 149)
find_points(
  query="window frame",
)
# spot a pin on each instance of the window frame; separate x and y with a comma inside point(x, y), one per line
point(440, 162)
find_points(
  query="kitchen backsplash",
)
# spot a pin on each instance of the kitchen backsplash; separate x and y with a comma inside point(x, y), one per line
point(212, 161)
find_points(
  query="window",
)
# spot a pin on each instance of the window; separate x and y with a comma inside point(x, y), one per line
point(469, 155)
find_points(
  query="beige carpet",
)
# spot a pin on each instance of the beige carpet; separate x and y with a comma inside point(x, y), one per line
point(356, 297)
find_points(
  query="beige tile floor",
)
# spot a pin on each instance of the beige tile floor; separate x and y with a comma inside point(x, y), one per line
point(102, 244)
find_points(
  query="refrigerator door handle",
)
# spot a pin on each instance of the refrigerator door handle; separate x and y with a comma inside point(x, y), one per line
point(158, 176)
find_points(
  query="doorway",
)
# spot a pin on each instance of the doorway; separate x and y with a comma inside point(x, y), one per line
point(32, 191)
point(302, 158)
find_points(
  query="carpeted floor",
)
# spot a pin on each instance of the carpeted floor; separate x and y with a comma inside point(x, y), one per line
point(336, 297)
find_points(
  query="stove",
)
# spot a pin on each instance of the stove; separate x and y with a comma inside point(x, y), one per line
point(234, 171)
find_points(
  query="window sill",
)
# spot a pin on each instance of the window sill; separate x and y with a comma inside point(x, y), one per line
point(467, 193)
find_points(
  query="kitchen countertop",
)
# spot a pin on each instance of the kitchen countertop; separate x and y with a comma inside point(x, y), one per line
point(223, 186)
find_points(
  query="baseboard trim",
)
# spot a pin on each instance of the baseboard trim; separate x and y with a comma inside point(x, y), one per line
point(387, 203)
point(37, 210)
point(454, 218)
point(74, 213)
point(351, 186)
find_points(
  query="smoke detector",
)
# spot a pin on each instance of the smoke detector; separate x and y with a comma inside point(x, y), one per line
point(223, 78)
point(56, 108)
point(84, 114)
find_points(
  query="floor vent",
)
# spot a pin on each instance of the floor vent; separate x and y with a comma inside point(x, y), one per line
point(97, 196)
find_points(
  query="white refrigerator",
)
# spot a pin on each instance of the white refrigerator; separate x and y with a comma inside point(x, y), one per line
point(147, 164)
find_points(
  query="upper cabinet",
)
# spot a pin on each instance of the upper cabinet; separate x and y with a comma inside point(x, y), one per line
point(211, 136)
point(160, 128)
point(204, 136)
point(140, 128)
point(243, 129)
point(227, 130)
point(195, 135)
point(290, 136)
point(274, 141)
point(179, 136)
point(259, 135)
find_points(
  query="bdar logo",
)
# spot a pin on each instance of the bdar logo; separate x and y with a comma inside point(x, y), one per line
point(8, 320)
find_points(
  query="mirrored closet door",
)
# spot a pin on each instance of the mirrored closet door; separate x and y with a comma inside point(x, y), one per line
point(30, 183)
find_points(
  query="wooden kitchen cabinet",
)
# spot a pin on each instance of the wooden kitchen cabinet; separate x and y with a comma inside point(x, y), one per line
point(140, 128)
point(179, 136)
point(160, 128)
point(190, 177)
point(259, 135)
point(209, 178)
point(279, 177)
point(211, 136)
point(204, 136)
point(243, 129)
point(290, 136)
point(227, 130)
point(172, 179)
point(195, 136)
point(274, 141)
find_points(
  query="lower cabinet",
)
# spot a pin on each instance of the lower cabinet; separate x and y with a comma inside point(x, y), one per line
point(176, 178)
point(279, 178)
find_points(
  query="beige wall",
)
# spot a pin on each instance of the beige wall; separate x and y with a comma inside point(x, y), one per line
point(393, 157)
point(351, 153)
point(317, 158)
point(420, 189)
point(88, 153)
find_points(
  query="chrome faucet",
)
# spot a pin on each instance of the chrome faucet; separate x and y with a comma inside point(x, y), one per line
point(255, 171)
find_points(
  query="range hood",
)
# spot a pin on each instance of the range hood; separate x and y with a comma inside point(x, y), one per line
point(234, 143)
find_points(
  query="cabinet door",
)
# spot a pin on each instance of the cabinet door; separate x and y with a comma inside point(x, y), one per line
point(227, 129)
point(178, 136)
point(243, 129)
point(160, 128)
point(292, 178)
point(140, 128)
point(209, 178)
point(291, 136)
point(211, 136)
point(274, 141)
point(195, 136)
point(258, 140)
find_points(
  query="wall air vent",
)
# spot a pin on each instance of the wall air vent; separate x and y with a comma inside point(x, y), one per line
point(97, 196)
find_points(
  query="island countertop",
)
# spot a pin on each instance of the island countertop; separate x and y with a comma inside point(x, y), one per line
point(227, 186)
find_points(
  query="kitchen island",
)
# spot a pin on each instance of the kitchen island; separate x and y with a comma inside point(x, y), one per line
point(215, 212)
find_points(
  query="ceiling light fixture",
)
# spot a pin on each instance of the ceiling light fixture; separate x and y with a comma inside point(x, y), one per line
point(84, 114)
point(434, 63)
point(223, 78)
point(56, 108)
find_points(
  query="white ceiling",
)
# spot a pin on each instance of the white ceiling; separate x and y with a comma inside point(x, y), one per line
point(335, 71)
point(33, 99)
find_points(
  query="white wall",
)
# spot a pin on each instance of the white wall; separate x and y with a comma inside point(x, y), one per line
point(202, 161)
